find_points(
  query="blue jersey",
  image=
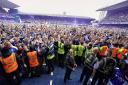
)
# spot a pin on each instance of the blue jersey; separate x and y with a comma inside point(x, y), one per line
point(117, 78)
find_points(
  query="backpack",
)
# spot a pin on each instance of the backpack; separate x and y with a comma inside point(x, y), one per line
point(106, 68)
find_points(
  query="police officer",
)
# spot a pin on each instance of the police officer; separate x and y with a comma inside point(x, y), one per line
point(50, 57)
point(75, 49)
point(80, 52)
point(70, 65)
point(55, 51)
point(90, 60)
point(61, 52)
point(88, 49)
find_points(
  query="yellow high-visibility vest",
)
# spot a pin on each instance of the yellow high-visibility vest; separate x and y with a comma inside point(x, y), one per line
point(61, 48)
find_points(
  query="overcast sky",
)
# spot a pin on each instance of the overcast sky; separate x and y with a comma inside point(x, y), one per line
point(71, 7)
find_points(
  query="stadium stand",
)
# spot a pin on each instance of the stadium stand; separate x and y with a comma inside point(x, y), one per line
point(7, 4)
point(6, 16)
point(31, 18)
point(116, 14)
point(55, 19)
point(2, 10)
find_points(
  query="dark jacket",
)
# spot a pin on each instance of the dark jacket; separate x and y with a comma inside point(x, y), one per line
point(70, 62)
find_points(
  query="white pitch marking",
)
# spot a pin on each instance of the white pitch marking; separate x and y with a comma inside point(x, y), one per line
point(51, 82)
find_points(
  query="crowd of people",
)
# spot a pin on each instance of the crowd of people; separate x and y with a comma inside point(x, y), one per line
point(25, 48)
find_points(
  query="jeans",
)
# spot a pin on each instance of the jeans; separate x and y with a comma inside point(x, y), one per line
point(67, 74)
point(87, 71)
